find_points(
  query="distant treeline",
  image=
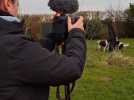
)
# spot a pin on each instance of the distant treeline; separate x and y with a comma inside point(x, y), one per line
point(95, 23)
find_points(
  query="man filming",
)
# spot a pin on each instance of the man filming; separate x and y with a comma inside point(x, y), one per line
point(26, 69)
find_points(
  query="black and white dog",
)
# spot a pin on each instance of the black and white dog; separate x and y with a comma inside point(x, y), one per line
point(104, 45)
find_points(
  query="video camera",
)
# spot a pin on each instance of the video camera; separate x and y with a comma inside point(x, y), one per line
point(58, 29)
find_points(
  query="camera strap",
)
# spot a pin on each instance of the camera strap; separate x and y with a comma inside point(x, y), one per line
point(67, 88)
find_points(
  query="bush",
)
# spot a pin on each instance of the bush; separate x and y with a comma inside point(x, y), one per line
point(95, 29)
point(129, 25)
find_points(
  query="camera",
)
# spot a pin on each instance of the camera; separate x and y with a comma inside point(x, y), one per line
point(57, 30)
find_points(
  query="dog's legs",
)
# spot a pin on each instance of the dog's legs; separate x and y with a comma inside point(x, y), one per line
point(104, 49)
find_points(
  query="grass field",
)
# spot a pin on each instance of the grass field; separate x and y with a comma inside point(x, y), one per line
point(107, 76)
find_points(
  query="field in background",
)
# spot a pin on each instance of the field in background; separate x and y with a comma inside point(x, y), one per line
point(106, 76)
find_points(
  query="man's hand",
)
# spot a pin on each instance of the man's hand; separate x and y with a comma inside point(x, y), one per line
point(79, 24)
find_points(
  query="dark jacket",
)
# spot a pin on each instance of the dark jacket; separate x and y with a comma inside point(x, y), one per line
point(27, 70)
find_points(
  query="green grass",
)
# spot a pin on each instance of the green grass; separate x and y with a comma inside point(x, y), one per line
point(101, 81)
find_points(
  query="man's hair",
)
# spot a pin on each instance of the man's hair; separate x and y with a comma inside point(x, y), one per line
point(1, 1)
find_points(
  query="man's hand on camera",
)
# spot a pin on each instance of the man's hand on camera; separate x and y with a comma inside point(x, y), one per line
point(79, 24)
point(57, 14)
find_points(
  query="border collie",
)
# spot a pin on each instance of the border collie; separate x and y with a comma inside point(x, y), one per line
point(103, 45)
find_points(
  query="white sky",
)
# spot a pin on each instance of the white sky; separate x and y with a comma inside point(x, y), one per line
point(40, 6)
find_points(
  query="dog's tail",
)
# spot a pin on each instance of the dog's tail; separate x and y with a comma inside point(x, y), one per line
point(126, 45)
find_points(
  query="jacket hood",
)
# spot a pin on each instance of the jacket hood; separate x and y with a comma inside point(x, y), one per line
point(10, 25)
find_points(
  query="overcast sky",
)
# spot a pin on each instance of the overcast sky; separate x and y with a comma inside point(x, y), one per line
point(40, 6)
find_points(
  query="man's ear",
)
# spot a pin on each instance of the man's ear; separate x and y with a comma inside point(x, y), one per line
point(8, 5)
